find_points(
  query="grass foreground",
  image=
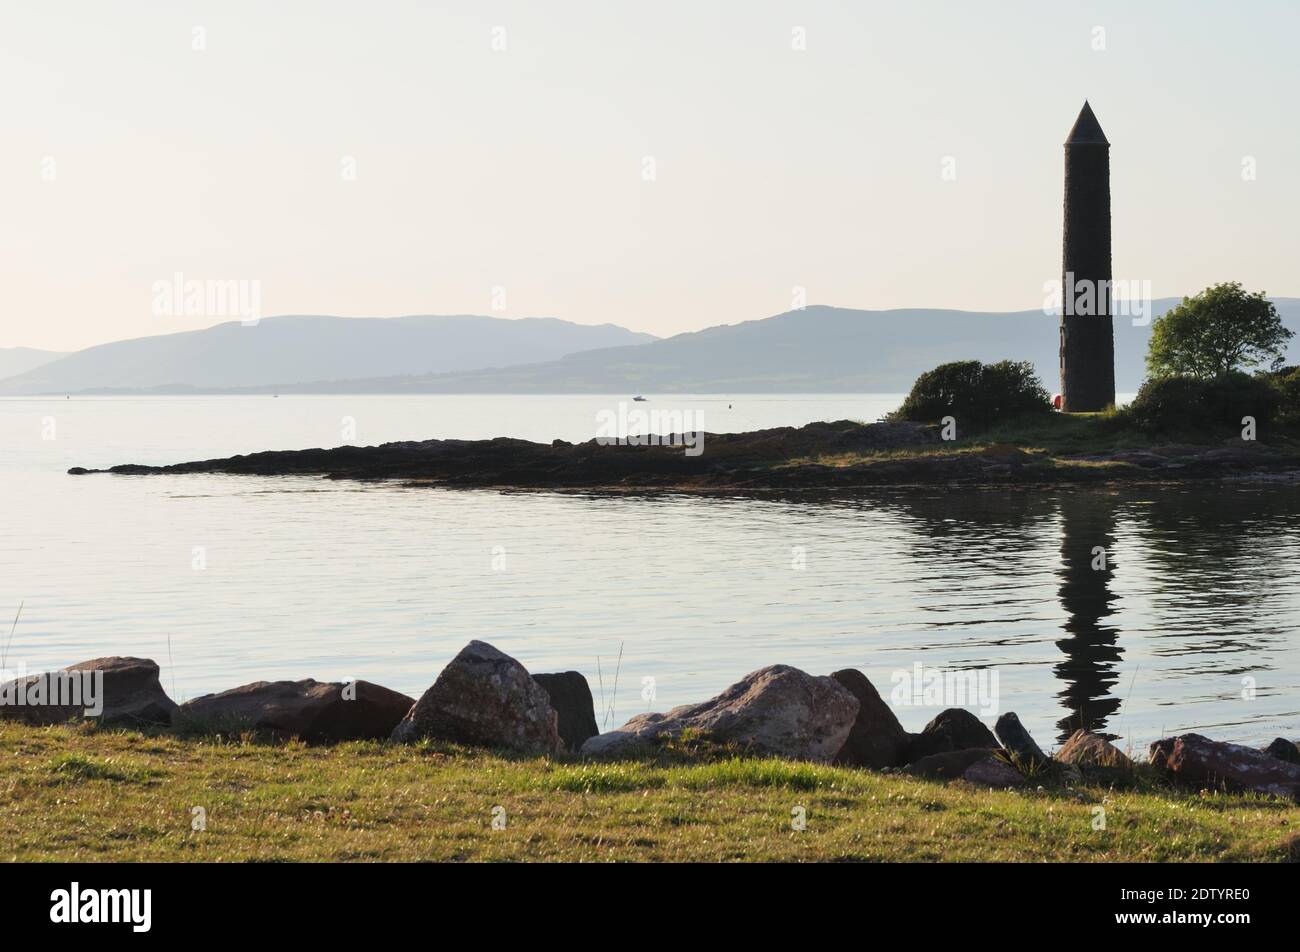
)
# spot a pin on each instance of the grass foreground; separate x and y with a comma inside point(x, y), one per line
point(87, 794)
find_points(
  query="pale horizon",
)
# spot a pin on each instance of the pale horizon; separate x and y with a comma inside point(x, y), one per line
point(133, 156)
point(812, 305)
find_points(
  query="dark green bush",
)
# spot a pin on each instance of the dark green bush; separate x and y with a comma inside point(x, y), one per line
point(976, 395)
point(1287, 384)
point(1190, 404)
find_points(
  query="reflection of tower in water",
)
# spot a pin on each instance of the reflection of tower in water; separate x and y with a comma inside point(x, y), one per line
point(1091, 651)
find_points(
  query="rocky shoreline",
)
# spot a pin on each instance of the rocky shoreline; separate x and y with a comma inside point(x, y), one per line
point(484, 698)
point(840, 455)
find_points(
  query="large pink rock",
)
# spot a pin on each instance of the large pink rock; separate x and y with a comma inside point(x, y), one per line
point(777, 711)
point(484, 698)
point(1191, 758)
point(1085, 749)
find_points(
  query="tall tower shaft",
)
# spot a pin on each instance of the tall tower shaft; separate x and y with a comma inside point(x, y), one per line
point(1087, 326)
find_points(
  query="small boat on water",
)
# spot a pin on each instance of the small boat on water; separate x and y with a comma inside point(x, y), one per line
point(638, 399)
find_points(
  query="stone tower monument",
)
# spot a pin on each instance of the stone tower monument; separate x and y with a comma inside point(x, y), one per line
point(1087, 329)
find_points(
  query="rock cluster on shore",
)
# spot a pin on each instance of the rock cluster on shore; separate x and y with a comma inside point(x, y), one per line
point(485, 698)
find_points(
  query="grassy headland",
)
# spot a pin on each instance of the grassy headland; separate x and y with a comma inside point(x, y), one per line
point(1047, 449)
point(1073, 448)
point(90, 794)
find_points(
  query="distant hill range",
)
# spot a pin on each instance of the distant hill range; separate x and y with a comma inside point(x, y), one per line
point(19, 360)
point(282, 351)
point(814, 350)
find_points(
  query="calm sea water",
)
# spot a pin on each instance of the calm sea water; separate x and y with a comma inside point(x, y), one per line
point(1192, 625)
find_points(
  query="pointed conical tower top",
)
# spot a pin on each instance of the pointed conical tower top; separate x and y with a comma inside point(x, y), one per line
point(1087, 130)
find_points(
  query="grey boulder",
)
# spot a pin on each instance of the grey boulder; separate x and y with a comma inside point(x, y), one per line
point(484, 698)
point(776, 711)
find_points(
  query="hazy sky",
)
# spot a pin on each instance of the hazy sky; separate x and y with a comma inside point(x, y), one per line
point(129, 155)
